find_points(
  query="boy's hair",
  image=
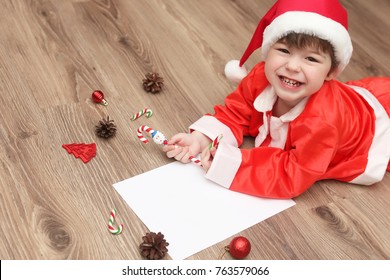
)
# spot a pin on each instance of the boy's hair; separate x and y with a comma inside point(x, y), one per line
point(301, 40)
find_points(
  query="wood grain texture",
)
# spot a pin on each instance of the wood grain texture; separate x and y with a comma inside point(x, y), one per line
point(55, 53)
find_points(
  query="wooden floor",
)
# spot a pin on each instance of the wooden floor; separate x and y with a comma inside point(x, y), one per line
point(55, 53)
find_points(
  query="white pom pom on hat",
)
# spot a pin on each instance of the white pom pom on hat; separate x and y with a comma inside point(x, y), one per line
point(326, 19)
point(234, 72)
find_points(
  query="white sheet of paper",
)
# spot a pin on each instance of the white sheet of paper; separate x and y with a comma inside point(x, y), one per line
point(192, 212)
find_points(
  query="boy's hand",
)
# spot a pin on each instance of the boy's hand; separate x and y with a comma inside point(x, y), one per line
point(183, 145)
point(207, 157)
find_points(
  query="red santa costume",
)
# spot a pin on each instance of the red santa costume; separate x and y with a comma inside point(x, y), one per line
point(340, 132)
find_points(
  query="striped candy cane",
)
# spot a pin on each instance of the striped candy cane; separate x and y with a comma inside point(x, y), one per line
point(111, 223)
point(215, 142)
point(212, 144)
point(147, 112)
point(195, 160)
point(157, 136)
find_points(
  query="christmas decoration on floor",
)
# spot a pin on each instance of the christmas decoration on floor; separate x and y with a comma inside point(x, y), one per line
point(98, 97)
point(239, 247)
point(111, 228)
point(147, 112)
point(106, 128)
point(153, 83)
point(154, 246)
point(83, 151)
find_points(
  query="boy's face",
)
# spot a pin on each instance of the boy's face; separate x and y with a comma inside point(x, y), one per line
point(296, 73)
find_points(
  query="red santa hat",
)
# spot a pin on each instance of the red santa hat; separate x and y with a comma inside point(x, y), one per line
point(326, 19)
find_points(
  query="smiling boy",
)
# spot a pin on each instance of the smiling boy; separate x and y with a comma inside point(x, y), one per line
point(307, 125)
point(297, 66)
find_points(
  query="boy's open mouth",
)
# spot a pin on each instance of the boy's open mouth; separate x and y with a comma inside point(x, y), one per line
point(290, 82)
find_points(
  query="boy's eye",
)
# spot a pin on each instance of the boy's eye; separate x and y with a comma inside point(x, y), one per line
point(283, 50)
point(312, 59)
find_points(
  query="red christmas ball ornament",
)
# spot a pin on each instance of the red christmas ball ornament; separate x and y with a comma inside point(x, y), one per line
point(98, 97)
point(239, 247)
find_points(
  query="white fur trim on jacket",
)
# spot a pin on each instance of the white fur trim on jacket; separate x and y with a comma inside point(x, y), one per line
point(212, 128)
point(379, 153)
point(225, 165)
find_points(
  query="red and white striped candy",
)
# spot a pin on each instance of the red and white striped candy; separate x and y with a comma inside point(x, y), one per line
point(157, 136)
point(141, 129)
point(111, 223)
point(147, 112)
point(212, 144)
point(195, 160)
point(215, 142)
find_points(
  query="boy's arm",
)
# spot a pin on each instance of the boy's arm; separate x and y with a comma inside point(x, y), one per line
point(275, 173)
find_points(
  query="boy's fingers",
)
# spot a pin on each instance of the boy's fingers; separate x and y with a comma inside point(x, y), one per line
point(176, 139)
point(206, 161)
point(213, 150)
point(186, 158)
point(182, 156)
point(205, 157)
point(167, 148)
point(206, 165)
point(174, 152)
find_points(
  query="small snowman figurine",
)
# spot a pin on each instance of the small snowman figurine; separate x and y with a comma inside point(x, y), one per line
point(159, 138)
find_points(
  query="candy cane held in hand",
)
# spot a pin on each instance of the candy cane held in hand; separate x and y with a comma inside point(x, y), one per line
point(212, 144)
point(215, 142)
point(159, 138)
point(111, 223)
point(195, 160)
point(147, 112)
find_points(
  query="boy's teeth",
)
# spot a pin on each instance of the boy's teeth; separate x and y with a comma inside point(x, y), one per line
point(291, 82)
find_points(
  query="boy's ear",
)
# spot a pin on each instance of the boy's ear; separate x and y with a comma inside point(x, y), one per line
point(331, 75)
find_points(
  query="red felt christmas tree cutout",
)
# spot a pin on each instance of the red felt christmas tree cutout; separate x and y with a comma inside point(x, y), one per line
point(83, 151)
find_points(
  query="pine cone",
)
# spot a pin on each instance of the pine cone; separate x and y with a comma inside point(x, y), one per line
point(106, 128)
point(154, 246)
point(153, 82)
